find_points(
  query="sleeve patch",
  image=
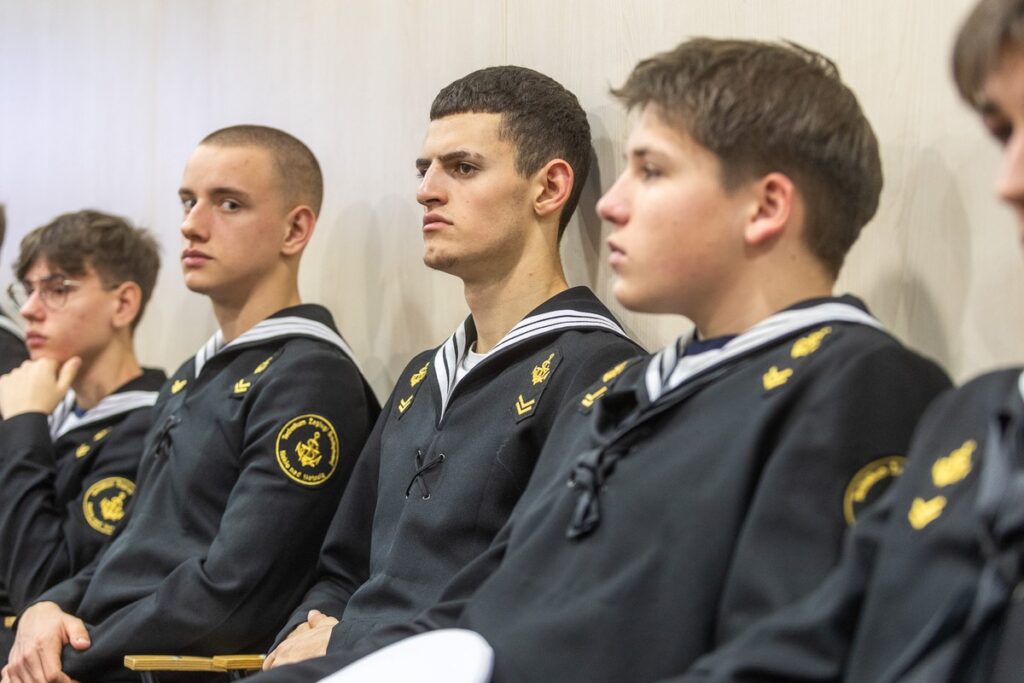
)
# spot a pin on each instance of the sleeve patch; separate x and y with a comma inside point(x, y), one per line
point(864, 488)
point(104, 502)
point(307, 449)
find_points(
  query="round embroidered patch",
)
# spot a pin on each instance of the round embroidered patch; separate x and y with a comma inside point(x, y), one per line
point(863, 488)
point(104, 502)
point(307, 449)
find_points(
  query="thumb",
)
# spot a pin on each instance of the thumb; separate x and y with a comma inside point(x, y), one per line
point(67, 373)
point(78, 636)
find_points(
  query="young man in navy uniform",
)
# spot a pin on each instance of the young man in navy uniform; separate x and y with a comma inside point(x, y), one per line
point(929, 590)
point(504, 161)
point(253, 442)
point(12, 342)
point(77, 412)
point(687, 494)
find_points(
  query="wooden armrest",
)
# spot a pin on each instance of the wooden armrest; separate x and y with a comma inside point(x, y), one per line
point(239, 662)
point(170, 663)
point(9, 622)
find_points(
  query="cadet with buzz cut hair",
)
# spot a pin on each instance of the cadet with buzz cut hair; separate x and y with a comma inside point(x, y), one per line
point(252, 443)
point(12, 343)
point(684, 495)
point(77, 413)
point(506, 153)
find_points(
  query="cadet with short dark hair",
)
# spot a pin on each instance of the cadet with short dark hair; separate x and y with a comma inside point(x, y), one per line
point(77, 413)
point(252, 444)
point(506, 153)
point(684, 495)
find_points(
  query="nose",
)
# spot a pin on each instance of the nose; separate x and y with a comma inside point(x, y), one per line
point(193, 225)
point(431, 191)
point(612, 206)
point(33, 310)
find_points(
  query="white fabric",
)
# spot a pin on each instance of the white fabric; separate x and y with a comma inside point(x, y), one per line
point(63, 419)
point(470, 361)
point(447, 656)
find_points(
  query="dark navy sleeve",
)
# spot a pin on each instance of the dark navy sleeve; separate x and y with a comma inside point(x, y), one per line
point(45, 541)
point(258, 566)
point(12, 352)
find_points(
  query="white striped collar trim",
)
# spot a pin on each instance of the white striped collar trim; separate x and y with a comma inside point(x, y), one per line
point(12, 327)
point(667, 371)
point(64, 420)
point(453, 351)
point(288, 326)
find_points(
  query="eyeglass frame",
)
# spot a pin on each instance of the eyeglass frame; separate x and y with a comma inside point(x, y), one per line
point(45, 295)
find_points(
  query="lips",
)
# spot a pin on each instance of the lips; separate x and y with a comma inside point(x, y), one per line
point(434, 221)
point(615, 255)
point(193, 258)
point(34, 340)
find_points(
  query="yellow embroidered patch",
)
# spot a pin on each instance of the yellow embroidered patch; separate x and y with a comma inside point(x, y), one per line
point(262, 366)
point(419, 375)
point(805, 346)
point(924, 512)
point(241, 386)
point(307, 449)
point(775, 378)
point(541, 372)
point(104, 502)
point(100, 435)
point(865, 480)
point(404, 403)
point(523, 406)
point(955, 466)
point(82, 450)
point(614, 372)
point(178, 385)
point(588, 399)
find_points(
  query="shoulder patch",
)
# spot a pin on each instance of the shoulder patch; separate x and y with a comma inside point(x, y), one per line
point(863, 488)
point(82, 450)
point(415, 380)
point(526, 399)
point(104, 502)
point(307, 449)
point(100, 435)
point(262, 366)
point(601, 387)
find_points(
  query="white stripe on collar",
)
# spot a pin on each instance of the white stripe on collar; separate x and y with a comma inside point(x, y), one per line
point(667, 371)
point(453, 351)
point(1020, 386)
point(12, 327)
point(64, 420)
point(288, 326)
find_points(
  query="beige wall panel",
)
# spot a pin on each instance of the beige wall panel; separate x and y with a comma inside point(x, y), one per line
point(101, 102)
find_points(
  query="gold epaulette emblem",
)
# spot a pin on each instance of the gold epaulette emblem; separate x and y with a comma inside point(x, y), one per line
point(955, 466)
point(523, 406)
point(419, 375)
point(82, 450)
point(178, 385)
point(924, 512)
point(541, 372)
point(614, 372)
point(805, 346)
point(588, 399)
point(241, 386)
point(775, 378)
point(100, 435)
point(262, 366)
point(404, 403)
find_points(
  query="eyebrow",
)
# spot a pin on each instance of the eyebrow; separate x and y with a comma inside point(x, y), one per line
point(448, 157)
point(217, 192)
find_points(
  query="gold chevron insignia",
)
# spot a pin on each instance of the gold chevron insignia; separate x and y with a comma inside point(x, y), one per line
point(82, 450)
point(614, 372)
point(178, 385)
point(404, 403)
point(805, 346)
point(418, 375)
point(924, 512)
point(541, 372)
point(776, 378)
point(523, 406)
point(262, 366)
point(589, 399)
point(955, 466)
point(99, 436)
point(241, 386)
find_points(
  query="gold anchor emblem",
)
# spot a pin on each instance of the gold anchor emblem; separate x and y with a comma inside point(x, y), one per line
point(418, 375)
point(82, 450)
point(524, 406)
point(776, 378)
point(309, 452)
point(404, 403)
point(178, 385)
point(924, 512)
point(955, 466)
point(262, 366)
point(113, 508)
point(589, 399)
point(805, 346)
point(541, 372)
point(241, 386)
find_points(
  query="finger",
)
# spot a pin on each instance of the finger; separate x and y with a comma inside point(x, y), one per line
point(268, 663)
point(33, 670)
point(67, 373)
point(51, 664)
point(78, 635)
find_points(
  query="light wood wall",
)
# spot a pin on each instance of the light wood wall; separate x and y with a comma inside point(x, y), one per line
point(101, 102)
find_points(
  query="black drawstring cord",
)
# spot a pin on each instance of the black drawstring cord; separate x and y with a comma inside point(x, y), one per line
point(418, 477)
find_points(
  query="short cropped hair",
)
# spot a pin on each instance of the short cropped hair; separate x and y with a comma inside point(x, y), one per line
point(111, 246)
point(541, 119)
point(297, 168)
point(991, 27)
point(763, 107)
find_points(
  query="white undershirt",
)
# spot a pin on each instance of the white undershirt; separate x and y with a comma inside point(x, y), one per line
point(471, 360)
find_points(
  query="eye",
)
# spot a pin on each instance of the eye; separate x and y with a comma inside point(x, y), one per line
point(187, 203)
point(464, 168)
point(230, 205)
point(650, 172)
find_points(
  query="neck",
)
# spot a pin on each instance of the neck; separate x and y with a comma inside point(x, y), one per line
point(115, 366)
point(236, 315)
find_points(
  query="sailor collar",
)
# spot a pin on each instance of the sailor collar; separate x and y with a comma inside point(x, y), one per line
point(63, 419)
point(547, 318)
point(669, 368)
point(272, 328)
point(9, 325)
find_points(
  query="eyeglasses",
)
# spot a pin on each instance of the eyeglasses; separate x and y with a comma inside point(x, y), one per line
point(53, 291)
